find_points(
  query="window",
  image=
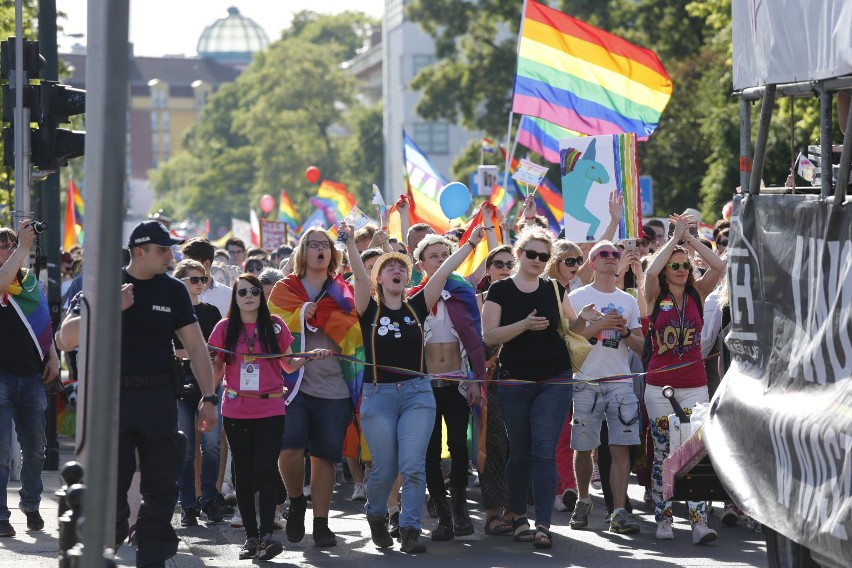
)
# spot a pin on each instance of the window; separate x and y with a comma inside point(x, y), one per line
point(166, 121)
point(419, 61)
point(432, 137)
point(155, 122)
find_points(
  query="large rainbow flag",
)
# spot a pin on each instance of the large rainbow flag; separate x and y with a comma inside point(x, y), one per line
point(74, 212)
point(334, 200)
point(423, 184)
point(31, 305)
point(335, 315)
point(543, 137)
point(585, 79)
point(286, 211)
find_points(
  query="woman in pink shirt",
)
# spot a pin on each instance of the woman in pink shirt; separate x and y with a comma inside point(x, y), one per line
point(253, 404)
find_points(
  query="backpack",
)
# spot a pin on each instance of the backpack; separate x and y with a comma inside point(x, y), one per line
point(646, 349)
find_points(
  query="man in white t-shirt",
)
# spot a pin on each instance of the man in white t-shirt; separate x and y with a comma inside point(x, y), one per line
point(617, 327)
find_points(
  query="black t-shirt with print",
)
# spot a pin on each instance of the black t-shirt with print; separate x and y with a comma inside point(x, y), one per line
point(394, 338)
point(532, 355)
point(208, 316)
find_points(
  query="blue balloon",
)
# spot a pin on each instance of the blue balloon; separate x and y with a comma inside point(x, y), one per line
point(454, 199)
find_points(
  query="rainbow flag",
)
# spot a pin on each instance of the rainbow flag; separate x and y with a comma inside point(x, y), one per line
point(583, 78)
point(542, 137)
point(487, 146)
point(423, 184)
point(501, 199)
point(334, 200)
point(286, 211)
point(335, 315)
point(74, 211)
point(28, 301)
point(477, 256)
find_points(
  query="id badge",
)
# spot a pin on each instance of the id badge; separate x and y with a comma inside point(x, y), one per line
point(249, 374)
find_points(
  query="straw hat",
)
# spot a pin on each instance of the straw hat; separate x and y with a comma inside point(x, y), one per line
point(382, 260)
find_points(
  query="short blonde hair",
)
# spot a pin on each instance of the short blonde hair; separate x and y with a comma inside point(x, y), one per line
point(533, 233)
point(187, 264)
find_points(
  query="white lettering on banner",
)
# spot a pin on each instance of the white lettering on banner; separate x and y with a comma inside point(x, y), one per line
point(824, 317)
point(821, 464)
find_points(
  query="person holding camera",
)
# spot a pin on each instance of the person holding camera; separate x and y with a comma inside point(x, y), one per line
point(28, 363)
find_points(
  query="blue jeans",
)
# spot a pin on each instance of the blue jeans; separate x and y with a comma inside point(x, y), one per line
point(534, 414)
point(22, 405)
point(187, 414)
point(397, 419)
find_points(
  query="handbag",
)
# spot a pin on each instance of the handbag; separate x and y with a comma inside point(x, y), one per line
point(578, 346)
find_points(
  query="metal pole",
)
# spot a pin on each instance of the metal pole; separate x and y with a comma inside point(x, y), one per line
point(48, 190)
point(23, 176)
point(762, 136)
point(106, 118)
point(745, 143)
point(845, 157)
point(825, 168)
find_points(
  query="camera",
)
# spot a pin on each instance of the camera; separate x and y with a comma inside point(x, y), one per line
point(38, 226)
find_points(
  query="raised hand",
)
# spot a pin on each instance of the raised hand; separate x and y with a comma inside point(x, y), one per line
point(616, 201)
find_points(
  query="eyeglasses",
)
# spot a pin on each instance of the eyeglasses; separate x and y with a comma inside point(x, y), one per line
point(236, 251)
point(608, 253)
point(532, 255)
point(501, 264)
point(573, 261)
point(254, 266)
point(678, 265)
point(196, 279)
point(8, 247)
point(319, 245)
point(243, 292)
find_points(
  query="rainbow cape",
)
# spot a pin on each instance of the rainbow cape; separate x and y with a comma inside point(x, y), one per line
point(27, 299)
point(464, 313)
point(335, 315)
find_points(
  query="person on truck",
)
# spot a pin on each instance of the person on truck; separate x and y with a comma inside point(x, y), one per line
point(676, 298)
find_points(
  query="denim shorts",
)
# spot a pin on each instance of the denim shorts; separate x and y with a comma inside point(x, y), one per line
point(614, 400)
point(317, 424)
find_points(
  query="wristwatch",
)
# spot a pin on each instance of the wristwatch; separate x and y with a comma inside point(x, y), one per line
point(212, 399)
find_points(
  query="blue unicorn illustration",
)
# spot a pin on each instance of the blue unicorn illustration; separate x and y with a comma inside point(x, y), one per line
point(578, 172)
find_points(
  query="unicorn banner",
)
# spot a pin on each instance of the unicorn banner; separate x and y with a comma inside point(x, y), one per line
point(592, 167)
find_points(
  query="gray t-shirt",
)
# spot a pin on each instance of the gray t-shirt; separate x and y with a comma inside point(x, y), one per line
point(322, 379)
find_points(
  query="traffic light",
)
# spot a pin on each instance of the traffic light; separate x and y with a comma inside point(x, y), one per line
point(32, 67)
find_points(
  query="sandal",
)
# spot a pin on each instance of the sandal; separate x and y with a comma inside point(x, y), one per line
point(542, 538)
point(521, 530)
point(496, 525)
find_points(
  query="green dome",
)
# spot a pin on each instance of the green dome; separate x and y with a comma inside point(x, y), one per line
point(233, 39)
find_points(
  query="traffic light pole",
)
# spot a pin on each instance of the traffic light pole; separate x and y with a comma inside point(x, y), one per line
point(23, 173)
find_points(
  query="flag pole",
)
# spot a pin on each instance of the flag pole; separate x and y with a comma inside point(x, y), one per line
point(512, 112)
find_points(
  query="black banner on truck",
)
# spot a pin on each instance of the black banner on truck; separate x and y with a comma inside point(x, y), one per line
point(780, 431)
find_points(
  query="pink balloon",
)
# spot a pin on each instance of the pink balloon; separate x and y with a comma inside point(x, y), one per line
point(267, 203)
point(727, 210)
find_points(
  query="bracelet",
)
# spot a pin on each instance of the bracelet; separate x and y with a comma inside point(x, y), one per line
point(472, 244)
point(488, 228)
point(625, 336)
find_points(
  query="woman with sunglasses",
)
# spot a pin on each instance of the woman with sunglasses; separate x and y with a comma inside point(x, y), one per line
point(676, 296)
point(253, 405)
point(522, 314)
point(192, 274)
point(397, 408)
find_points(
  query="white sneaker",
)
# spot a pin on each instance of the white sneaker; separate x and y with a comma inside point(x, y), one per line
point(237, 520)
point(558, 505)
point(278, 521)
point(702, 534)
point(664, 530)
point(229, 493)
point(360, 492)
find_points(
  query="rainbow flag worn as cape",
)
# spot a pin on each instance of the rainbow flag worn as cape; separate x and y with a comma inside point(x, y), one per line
point(28, 301)
point(464, 313)
point(335, 315)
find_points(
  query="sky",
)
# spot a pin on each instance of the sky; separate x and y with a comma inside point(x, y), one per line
point(172, 27)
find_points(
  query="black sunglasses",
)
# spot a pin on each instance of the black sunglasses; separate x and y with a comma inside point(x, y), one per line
point(243, 292)
point(573, 261)
point(677, 265)
point(532, 255)
point(722, 243)
point(196, 279)
point(608, 253)
point(500, 264)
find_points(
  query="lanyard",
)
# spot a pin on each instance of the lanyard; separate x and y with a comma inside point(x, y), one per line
point(681, 314)
point(253, 338)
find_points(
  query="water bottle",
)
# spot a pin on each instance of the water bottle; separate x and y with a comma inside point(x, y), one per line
point(340, 243)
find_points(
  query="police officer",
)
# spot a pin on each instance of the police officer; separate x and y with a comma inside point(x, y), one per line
point(160, 307)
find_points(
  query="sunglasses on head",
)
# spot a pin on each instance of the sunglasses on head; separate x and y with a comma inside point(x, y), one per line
point(532, 255)
point(243, 292)
point(196, 279)
point(678, 265)
point(573, 261)
point(501, 264)
point(608, 253)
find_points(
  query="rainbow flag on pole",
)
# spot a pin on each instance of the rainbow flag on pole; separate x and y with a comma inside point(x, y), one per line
point(423, 183)
point(334, 200)
point(543, 137)
point(286, 211)
point(74, 211)
point(585, 79)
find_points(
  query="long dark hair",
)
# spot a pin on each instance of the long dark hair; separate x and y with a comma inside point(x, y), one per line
point(265, 329)
point(690, 280)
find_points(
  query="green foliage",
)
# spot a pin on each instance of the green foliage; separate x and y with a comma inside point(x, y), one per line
point(359, 168)
point(348, 31)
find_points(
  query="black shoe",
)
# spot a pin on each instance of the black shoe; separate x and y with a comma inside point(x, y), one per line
point(212, 511)
point(323, 537)
point(296, 518)
point(189, 517)
point(431, 508)
point(379, 532)
point(268, 548)
point(249, 549)
point(224, 508)
point(393, 524)
point(444, 530)
point(569, 499)
point(462, 526)
point(410, 542)
point(34, 520)
point(6, 529)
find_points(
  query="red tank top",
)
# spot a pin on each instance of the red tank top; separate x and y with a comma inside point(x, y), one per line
point(675, 340)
